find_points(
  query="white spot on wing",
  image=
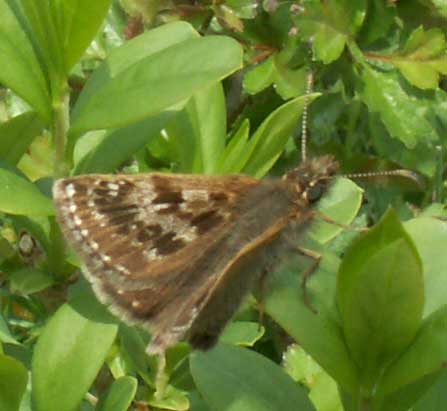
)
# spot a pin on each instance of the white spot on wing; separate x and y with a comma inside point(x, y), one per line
point(69, 190)
point(195, 195)
point(113, 186)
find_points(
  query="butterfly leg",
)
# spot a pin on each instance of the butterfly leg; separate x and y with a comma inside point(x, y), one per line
point(316, 258)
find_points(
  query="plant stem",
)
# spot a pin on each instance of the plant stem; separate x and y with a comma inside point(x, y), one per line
point(59, 130)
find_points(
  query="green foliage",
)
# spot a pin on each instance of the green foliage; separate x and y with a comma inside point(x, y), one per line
point(131, 86)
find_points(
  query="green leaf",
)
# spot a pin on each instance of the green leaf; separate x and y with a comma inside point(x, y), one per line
point(260, 76)
point(405, 397)
point(244, 333)
point(436, 398)
point(19, 196)
point(13, 379)
point(429, 236)
point(67, 358)
point(119, 396)
point(119, 145)
point(28, 280)
point(17, 134)
point(79, 22)
point(341, 204)
point(266, 145)
point(61, 31)
point(173, 399)
point(384, 94)
point(430, 345)
point(207, 113)
point(133, 348)
point(235, 155)
point(44, 31)
point(423, 58)
point(323, 391)
point(119, 94)
point(23, 73)
point(330, 24)
point(197, 134)
point(5, 334)
point(319, 335)
point(379, 19)
point(380, 293)
point(232, 378)
point(288, 82)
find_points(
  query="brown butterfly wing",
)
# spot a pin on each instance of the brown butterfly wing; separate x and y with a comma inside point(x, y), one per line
point(140, 238)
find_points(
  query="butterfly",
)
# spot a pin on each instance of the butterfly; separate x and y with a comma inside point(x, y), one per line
point(177, 253)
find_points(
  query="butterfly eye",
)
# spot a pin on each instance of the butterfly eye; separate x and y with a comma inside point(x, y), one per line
point(315, 192)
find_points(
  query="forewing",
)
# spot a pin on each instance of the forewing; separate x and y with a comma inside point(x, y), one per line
point(136, 233)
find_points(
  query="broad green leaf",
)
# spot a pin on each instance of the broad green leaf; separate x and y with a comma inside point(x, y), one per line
point(23, 73)
point(267, 143)
point(119, 396)
point(260, 76)
point(133, 349)
point(235, 155)
point(173, 399)
point(405, 397)
point(130, 53)
point(38, 161)
point(232, 378)
point(244, 333)
point(330, 25)
point(384, 94)
point(79, 22)
point(19, 196)
point(380, 294)
point(119, 145)
point(62, 30)
point(13, 378)
point(323, 391)
point(28, 280)
point(5, 334)
point(197, 134)
point(67, 358)
point(6, 249)
point(288, 82)
point(207, 113)
point(429, 236)
point(423, 58)
point(44, 31)
point(435, 398)
point(341, 204)
point(441, 7)
point(17, 134)
point(379, 19)
point(430, 345)
point(319, 335)
point(196, 402)
point(121, 95)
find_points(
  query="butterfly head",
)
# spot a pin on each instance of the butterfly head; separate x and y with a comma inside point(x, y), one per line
point(312, 177)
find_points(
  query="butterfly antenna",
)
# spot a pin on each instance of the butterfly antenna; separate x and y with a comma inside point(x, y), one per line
point(411, 175)
point(310, 81)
